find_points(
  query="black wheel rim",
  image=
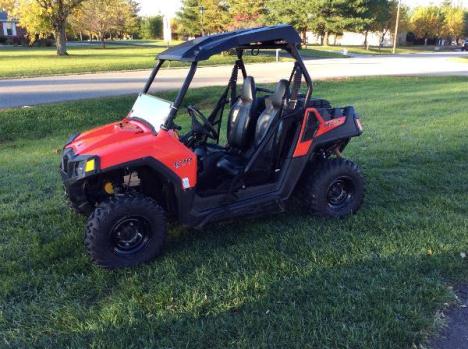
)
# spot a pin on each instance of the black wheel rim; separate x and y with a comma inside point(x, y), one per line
point(130, 234)
point(340, 192)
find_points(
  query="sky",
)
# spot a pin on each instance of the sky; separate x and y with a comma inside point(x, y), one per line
point(170, 7)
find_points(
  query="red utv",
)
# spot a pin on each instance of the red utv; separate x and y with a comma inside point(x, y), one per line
point(128, 176)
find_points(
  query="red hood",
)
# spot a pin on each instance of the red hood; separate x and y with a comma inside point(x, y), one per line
point(94, 140)
point(129, 140)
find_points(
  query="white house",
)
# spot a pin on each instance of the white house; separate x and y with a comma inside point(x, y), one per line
point(7, 26)
point(356, 39)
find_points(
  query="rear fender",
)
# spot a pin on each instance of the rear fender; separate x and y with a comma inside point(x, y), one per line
point(324, 127)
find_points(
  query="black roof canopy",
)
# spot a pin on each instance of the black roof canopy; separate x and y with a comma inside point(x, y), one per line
point(204, 47)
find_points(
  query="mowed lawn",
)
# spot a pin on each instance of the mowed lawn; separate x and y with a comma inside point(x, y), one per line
point(378, 279)
point(29, 62)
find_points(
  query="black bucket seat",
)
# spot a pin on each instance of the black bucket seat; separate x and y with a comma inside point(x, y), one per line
point(232, 163)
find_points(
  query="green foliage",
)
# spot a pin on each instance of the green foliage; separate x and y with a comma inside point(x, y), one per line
point(131, 21)
point(298, 13)
point(189, 18)
point(378, 279)
point(438, 21)
point(425, 21)
point(454, 21)
point(191, 22)
point(105, 18)
point(380, 17)
point(34, 19)
point(152, 27)
point(336, 16)
point(55, 13)
point(246, 13)
point(465, 27)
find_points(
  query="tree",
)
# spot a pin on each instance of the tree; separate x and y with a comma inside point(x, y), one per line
point(77, 23)
point(129, 22)
point(215, 16)
point(382, 17)
point(56, 12)
point(246, 13)
point(465, 29)
point(454, 21)
point(427, 22)
point(103, 18)
point(192, 22)
point(377, 12)
point(8, 5)
point(189, 18)
point(152, 27)
point(335, 16)
point(34, 19)
point(294, 12)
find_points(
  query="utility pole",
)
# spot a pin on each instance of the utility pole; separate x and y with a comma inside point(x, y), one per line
point(395, 36)
point(202, 12)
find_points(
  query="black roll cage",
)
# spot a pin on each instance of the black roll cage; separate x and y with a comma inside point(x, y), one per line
point(231, 86)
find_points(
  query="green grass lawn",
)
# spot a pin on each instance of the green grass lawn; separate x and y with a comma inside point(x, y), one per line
point(378, 279)
point(28, 62)
point(373, 50)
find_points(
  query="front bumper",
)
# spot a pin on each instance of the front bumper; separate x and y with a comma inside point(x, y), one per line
point(74, 179)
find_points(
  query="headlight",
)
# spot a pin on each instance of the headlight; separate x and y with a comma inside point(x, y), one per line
point(80, 168)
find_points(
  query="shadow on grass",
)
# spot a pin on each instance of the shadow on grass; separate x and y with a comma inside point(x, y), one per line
point(372, 302)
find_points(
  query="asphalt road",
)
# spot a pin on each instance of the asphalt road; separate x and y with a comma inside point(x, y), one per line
point(30, 91)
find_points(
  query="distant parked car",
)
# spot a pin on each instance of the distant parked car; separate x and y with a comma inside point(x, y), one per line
point(465, 46)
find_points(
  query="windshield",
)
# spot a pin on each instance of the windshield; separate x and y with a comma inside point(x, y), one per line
point(152, 109)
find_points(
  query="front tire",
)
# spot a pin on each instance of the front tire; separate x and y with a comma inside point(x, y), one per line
point(125, 231)
point(335, 188)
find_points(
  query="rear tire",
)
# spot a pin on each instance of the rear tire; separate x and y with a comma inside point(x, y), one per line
point(125, 231)
point(334, 188)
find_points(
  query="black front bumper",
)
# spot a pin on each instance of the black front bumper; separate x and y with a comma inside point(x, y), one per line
point(73, 182)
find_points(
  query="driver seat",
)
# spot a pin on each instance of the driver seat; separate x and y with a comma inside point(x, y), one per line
point(240, 128)
point(240, 124)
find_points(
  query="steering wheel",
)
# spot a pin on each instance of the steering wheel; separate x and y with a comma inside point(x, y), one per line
point(200, 123)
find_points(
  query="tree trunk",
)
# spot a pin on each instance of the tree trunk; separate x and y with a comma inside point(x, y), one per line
point(325, 39)
point(425, 41)
point(61, 39)
point(366, 33)
point(81, 36)
point(103, 40)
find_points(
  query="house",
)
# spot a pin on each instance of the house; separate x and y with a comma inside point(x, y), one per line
point(7, 26)
point(357, 39)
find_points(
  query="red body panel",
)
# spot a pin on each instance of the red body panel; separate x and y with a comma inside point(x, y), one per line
point(302, 147)
point(130, 140)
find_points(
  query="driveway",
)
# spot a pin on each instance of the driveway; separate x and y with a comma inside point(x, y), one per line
point(30, 91)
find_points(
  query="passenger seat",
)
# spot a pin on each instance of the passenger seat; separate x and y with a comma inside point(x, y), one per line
point(233, 164)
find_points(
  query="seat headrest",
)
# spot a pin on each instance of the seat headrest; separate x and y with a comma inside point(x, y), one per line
point(248, 89)
point(281, 90)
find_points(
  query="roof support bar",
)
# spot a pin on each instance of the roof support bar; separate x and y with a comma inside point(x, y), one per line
point(181, 95)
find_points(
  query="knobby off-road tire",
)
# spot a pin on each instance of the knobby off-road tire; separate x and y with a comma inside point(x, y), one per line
point(124, 231)
point(332, 188)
